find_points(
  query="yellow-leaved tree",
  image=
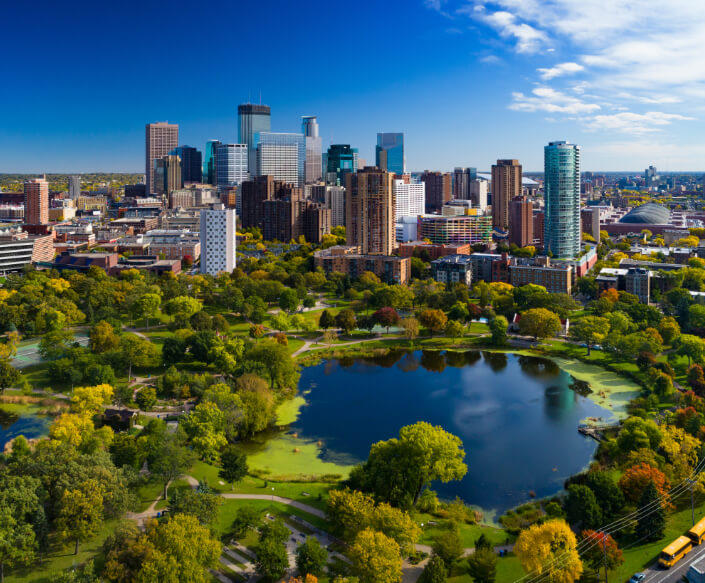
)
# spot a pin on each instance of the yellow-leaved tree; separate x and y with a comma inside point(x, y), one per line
point(550, 549)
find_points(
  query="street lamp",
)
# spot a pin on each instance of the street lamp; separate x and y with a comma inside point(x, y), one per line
point(272, 493)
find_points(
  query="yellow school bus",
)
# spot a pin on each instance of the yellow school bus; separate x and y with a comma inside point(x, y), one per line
point(697, 533)
point(674, 552)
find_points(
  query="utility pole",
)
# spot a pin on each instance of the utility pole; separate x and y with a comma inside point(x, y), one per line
point(692, 501)
point(604, 551)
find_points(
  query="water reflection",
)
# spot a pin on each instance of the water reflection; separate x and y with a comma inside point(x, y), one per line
point(516, 415)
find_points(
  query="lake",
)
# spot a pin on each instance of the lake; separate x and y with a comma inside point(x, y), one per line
point(516, 415)
point(13, 424)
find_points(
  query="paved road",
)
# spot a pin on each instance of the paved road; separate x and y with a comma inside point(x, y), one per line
point(655, 574)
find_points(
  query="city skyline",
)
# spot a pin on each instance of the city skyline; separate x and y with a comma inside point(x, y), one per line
point(545, 71)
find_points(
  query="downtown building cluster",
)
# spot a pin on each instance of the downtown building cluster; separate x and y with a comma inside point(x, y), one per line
point(191, 204)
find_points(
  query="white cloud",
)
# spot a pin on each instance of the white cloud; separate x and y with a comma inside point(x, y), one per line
point(634, 123)
point(527, 38)
point(490, 59)
point(551, 101)
point(560, 70)
point(632, 55)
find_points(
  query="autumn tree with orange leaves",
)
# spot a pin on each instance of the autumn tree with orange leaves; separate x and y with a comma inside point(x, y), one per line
point(636, 478)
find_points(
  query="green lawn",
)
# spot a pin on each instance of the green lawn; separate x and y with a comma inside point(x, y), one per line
point(469, 533)
point(60, 558)
point(311, 493)
point(229, 508)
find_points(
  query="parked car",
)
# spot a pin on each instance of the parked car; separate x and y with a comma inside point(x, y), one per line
point(637, 578)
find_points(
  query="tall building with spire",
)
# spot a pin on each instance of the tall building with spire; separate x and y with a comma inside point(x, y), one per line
point(314, 166)
point(252, 119)
point(506, 185)
point(562, 199)
point(160, 139)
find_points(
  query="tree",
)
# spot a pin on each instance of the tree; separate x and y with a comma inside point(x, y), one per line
point(411, 328)
point(203, 505)
point(433, 320)
point(327, 320)
point(345, 320)
point(376, 558)
point(103, 338)
point(246, 518)
point(482, 566)
point(90, 400)
point(311, 558)
point(449, 547)
point(276, 362)
point(272, 560)
point(146, 398)
point(329, 336)
point(80, 513)
point(636, 479)
point(256, 332)
point(136, 351)
point(539, 323)
point(177, 549)
point(398, 469)
point(9, 375)
point(289, 300)
point(170, 460)
point(600, 548)
point(234, 465)
point(651, 525)
point(669, 329)
point(590, 329)
point(181, 308)
point(549, 549)
point(148, 304)
point(454, 329)
point(582, 507)
point(17, 541)
point(386, 317)
point(498, 329)
point(692, 346)
point(435, 571)
point(205, 425)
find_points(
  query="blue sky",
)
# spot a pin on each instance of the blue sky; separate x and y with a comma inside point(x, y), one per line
point(467, 81)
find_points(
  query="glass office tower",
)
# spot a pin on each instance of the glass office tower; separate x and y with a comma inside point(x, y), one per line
point(309, 128)
point(209, 161)
point(389, 154)
point(252, 119)
point(562, 199)
point(231, 164)
point(191, 167)
point(282, 156)
point(341, 159)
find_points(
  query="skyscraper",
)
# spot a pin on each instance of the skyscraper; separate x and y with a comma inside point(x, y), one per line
point(231, 164)
point(506, 185)
point(521, 221)
point(252, 119)
point(209, 175)
point(218, 240)
point(160, 139)
point(167, 174)
point(438, 190)
point(314, 168)
point(409, 198)
point(369, 211)
point(562, 199)
point(74, 187)
point(191, 168)
point(461, 182)
point(36, 201)
point(342, 160)
point(282, 156)
point(389, 154)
